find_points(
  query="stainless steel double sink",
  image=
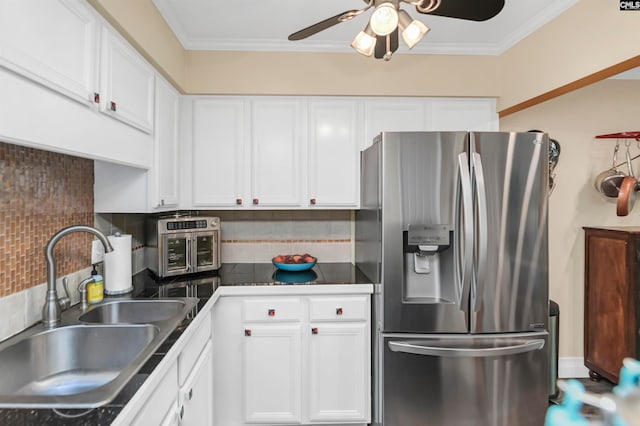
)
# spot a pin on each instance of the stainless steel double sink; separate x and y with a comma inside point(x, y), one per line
point(91, 357)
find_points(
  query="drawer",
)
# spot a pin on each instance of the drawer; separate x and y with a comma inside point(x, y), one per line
point(339, 308)
point(189, 355)
point(276, 309)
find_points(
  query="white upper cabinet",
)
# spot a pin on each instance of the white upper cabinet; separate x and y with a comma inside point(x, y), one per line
point(390, 115)
point(164, 193)
point(333, 154)
point(219, 168)
point(277, 152)
point(52, 43)
point(463, 114)
point(126, 83)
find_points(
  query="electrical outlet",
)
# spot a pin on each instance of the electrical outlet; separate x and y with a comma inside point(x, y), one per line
point(97, 252)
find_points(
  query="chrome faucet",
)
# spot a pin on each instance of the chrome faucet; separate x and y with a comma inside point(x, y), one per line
point(82, 289)
point(52, 309)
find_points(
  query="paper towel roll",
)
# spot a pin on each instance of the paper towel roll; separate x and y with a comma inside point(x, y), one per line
point(117, 265)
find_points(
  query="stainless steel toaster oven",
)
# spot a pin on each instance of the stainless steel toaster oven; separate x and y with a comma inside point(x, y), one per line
point(183, 245)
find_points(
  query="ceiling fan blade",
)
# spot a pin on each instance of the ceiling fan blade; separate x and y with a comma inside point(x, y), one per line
point(386, 45)
point(319, 26)
point(472, 10)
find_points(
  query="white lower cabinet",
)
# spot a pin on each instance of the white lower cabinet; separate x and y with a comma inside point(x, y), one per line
point(338, 372)
point(196, 395)
point(157, 408)
point(184, 394)
point(272, 373)
point(292, 360)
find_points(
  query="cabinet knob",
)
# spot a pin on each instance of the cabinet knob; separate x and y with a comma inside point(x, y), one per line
point(314, 330)
point(96, 97)
point(239, 201)
point(312, 201)
point(181, 412)
point(112, 106)
point(256, 201)
point(190, 394)
point(271, 312)
point(338, 311)
point(247, 333)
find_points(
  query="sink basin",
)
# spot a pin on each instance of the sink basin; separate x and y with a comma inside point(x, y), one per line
point(134, 312)
point(81, 365)
point(63, 363)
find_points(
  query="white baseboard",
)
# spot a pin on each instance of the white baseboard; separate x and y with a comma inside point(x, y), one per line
point(572, 367)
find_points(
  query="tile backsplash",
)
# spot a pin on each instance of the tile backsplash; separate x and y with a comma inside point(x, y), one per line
point(41, 192)
point(258, 236)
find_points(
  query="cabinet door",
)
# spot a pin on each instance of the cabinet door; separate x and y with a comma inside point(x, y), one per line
point(334, 154)
point(272, 373)
point(610, 304)
point(277, 146)
point(339, 379)
point(387, 115)
point(172, 417)
point(126, 83)
point(463, 114)
point(52, 42)
point(165, 153)
point(196, 395)
point(219, 166)
point(157, 408)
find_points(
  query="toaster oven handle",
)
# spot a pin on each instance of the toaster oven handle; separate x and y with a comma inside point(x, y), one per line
point(188, 255)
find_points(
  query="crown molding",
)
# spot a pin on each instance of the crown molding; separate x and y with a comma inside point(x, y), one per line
point(424, 47)
point(555, 9)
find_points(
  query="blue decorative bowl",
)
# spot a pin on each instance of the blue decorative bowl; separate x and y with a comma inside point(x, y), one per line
point(295, 266)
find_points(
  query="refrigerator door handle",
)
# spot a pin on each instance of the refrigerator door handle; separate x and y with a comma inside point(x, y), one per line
point(467, 245)
point(443, 351)
point(482, 230)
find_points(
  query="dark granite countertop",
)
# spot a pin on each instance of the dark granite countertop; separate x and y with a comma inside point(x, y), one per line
point(203, 286)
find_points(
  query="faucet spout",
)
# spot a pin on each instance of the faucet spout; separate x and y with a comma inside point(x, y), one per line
point(51, 310)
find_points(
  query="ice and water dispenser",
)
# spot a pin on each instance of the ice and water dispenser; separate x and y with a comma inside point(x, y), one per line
point(427, 264)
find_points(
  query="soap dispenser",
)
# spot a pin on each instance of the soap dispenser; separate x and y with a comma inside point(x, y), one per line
point(95, 290)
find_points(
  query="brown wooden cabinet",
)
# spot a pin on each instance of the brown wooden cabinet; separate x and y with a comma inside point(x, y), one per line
point(611, 302)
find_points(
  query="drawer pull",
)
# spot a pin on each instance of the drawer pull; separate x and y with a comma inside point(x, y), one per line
point(112, 106)
point(272, 312)
point(256, 201)
point(190, 394)
point(239, 201)
point(247, 333)
point(181, 412)
point(314, 330)
point(338, 311)
point(96, 97)
point(312, 201)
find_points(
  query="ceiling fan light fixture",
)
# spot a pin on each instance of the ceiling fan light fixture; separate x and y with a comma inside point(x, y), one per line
point(384, 19)
point(412, 30)
point(365, 41)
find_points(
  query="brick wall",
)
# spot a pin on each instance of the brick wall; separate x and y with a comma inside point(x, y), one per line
point(40, 193)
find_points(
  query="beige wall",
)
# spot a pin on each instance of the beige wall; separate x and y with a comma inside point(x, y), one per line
point(261, 73)
point(589, 37)
point(574, 119)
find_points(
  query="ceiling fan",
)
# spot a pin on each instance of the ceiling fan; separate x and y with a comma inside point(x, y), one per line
point(388, 20)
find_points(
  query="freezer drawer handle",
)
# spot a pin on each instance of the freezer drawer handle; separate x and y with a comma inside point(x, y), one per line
point(410, 348)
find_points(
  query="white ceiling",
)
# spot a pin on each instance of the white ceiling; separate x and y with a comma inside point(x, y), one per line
point(264, 25)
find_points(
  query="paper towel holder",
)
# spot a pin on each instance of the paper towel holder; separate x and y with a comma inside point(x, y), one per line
point(117, 275)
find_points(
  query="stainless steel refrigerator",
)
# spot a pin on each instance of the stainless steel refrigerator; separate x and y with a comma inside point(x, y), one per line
point(453, 232)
